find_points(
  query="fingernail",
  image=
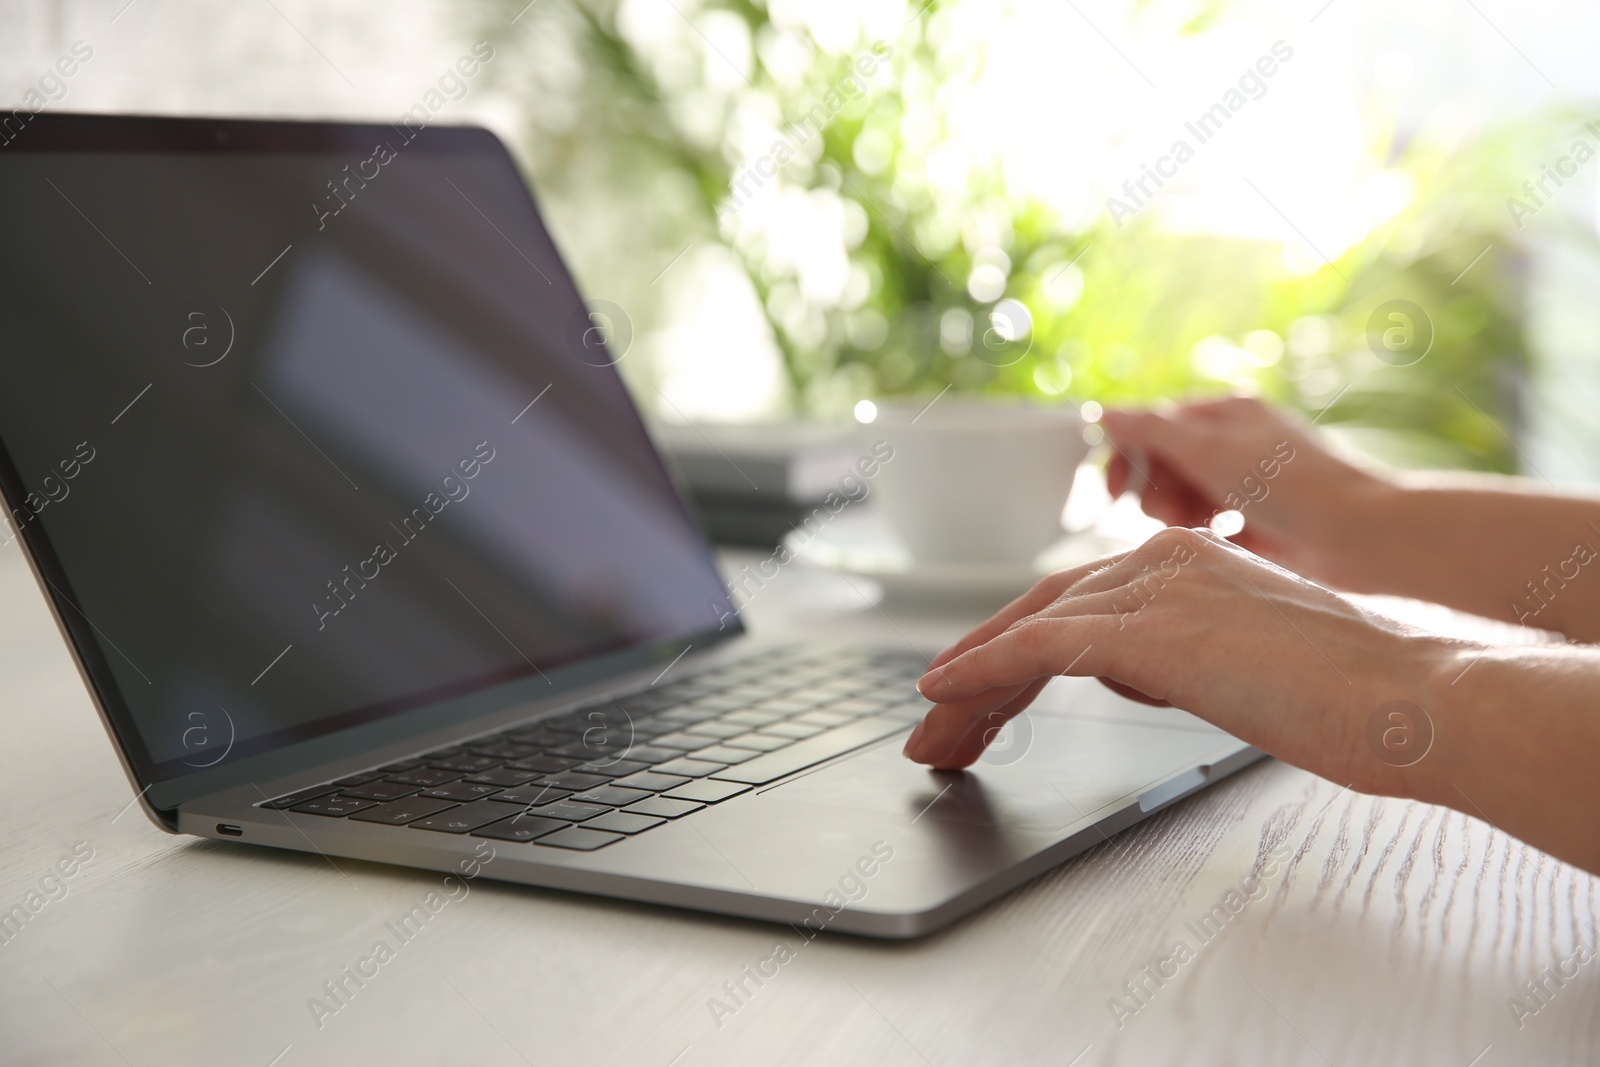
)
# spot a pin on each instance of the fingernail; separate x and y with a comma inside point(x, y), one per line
point(911, 742)
point(929, 680)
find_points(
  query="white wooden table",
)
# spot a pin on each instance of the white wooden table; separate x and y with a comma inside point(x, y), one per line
point(1392, 933)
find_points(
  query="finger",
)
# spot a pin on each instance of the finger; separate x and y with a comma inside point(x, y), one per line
point(1156, 555)
point(1041, 647)
point(1164, 492)
point(1149, 431)
point(1222, 408)
point(1131, 468)
point(947, 722)
point(1118, 469)
point(980, 703)
point(1044, 592)
point(1112, 573)
point(1171, 444)
point(1152, 437)
point(954, 742)
point(1175, 501)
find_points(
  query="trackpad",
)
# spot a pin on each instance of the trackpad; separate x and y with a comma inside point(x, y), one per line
point(1070, 769)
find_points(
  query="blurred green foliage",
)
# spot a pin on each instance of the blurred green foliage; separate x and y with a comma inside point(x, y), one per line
point(1114, 315)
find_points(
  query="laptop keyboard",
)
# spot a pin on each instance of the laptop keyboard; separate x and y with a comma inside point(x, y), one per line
point(608, 770)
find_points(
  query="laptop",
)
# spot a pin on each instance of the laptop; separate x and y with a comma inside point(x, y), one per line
point(330, 479)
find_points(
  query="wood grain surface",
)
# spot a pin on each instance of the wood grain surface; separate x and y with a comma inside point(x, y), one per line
point(1273, 919)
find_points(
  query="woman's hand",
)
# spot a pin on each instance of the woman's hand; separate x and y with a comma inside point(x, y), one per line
point(1495, 546)
point(1205, 625)
point(1303, 506)
point(1193, 621)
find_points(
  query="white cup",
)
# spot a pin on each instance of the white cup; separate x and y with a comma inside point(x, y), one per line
point(976, 481)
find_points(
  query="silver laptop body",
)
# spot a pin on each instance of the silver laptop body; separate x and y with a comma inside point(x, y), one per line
point(336, 494)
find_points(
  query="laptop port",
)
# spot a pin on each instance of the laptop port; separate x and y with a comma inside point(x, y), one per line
point(229, 830)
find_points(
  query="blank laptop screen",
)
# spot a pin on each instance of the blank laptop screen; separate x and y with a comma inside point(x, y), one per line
point(317, 428)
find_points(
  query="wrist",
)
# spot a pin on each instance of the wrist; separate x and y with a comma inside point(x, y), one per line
point(1365, 516)
point(1446, 701)
point(1408, 719)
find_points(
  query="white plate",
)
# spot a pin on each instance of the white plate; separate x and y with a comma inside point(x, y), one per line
point(859, 542)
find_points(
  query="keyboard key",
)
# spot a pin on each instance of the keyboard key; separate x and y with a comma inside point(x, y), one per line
point(502, 777)
point(614, 769)
point(822, 718)
point(613, 796)
point(661, 806)
point(380, 791)
point(621, 822)
point(655, 700)
point(575, 780)
point(651, 780)
point(568, 725)
point(831, 702)
point(539, 736)
point(759, 742)
point(604, 714)
point(500, 749)
point(400, 812)
point(707, 791)
point(750, 717)
point(577, 837)
point(532, 795)
point(653, 753)
point(718, 730)
point(754, 696)
point(794, 730)
point(690, 768)
point(460, 791)
point(541, 764)
point(594, 748)
point(464, 819)
point(723, 702)
point(605, 734)
point(300, 796)
point(724, 754)
point(520, 828)
point(335, 807)
point(570, 811)
point(839, 687)
point(763, 691)
point(876, 707)
point(425, 776)
point(465, 764)
point(688, 716)
point(826, 745)
point(785, 706)
point(359, 779)
point(684, 741)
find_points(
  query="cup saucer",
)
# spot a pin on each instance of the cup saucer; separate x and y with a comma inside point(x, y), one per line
point(859, 542)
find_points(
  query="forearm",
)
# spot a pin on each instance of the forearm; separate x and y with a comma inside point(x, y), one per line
point(1504, 550)
point(1515, 739)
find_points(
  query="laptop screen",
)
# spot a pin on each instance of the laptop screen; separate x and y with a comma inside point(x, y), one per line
point(308, 425)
